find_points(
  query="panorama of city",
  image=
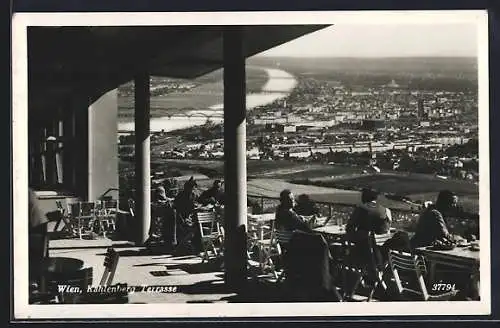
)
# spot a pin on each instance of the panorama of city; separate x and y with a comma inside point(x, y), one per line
point(406, 126)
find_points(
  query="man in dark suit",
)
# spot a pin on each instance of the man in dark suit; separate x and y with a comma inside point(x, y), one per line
point(369, 216)
point(286, 217)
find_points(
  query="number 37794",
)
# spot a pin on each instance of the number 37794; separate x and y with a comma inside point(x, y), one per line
point(443, 287)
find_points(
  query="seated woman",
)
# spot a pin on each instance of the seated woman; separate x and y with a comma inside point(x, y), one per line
point(431, 225)
point(305, 206)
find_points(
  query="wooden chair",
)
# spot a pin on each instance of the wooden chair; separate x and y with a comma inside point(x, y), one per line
point(360, 261)
point(68, 226)
point(74, 213)
point(107, 217)
point(210, 233)
point(283, 238)
point(83, 213)
point(414, 268)
point(269, 248)
point(110, 264)
point(252, 237)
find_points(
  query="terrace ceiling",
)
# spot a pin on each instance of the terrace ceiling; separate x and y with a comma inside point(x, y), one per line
point(67, 62)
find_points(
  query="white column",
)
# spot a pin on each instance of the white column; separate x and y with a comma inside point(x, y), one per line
point(235, 159)
point(142, 155)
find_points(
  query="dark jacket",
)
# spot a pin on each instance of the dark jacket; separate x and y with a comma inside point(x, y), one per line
point(430, 227)
point(308, 263)
point(211, 195)
point(184, 203)
point(290, 221)
point(368, 217)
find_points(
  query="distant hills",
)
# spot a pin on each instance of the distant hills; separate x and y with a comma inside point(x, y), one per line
point(444, 66)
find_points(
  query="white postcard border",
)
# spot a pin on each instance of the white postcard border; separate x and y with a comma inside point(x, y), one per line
point(22, 310)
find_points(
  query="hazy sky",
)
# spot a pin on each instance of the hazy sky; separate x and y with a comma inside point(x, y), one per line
point(389, 40)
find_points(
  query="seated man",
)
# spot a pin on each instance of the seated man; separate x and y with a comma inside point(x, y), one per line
point(286, 217)
point(214, 195)
point(369, 216)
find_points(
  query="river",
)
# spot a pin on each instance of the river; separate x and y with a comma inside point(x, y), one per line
point(278, 86)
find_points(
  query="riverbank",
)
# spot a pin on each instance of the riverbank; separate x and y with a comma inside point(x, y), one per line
point(278, 86)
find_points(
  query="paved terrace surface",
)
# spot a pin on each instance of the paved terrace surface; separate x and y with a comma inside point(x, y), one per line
point(199, 283)
point(196, 282)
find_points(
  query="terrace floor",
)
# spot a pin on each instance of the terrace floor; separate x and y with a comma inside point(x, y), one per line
point(196, 282)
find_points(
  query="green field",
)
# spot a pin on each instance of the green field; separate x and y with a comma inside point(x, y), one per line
point(415, 186)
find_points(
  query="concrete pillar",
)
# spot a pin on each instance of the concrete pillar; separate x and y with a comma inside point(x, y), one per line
point(103, 146)
point(235, 159)
point(81, 147)
point(142, 156)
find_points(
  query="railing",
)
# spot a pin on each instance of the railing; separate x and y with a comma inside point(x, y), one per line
point(339, 213)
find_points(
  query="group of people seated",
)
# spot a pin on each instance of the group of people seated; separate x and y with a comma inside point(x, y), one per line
point(372, 217)
point(367, 220)
point(178, 215)
point(368, 216)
